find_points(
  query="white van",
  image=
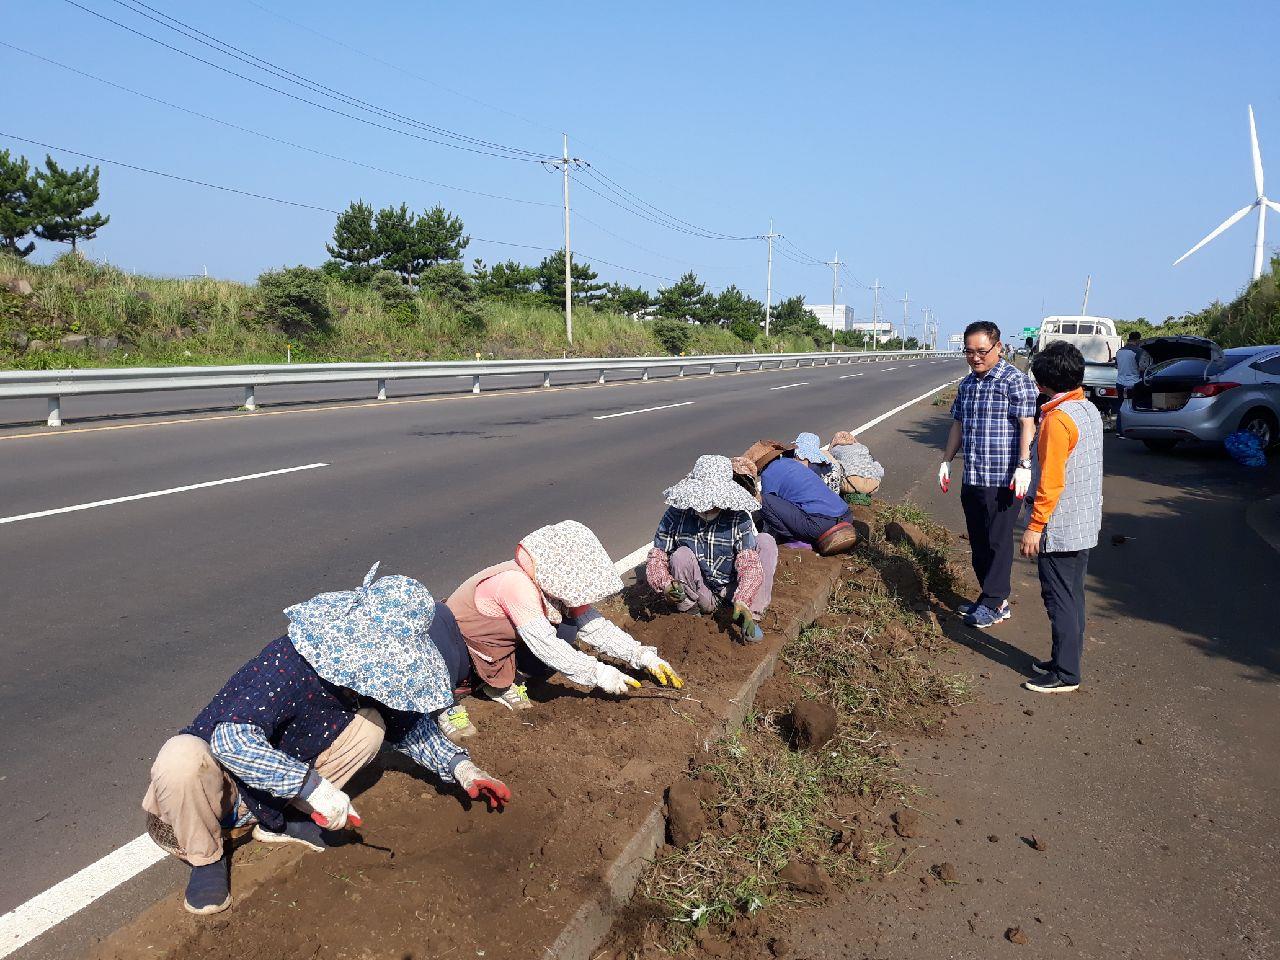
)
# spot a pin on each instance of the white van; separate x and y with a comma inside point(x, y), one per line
point(1095, 337)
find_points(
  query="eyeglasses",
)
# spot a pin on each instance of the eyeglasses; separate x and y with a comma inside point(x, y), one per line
point(980, 353)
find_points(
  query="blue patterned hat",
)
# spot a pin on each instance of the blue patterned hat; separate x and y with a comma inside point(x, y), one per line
point(808, 447)
point(374, 640)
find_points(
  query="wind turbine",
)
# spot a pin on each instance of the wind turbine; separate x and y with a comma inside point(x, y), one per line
point(1261, 203)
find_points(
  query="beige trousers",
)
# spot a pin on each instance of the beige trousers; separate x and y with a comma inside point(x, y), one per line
point(859, 485)
point(191, 794)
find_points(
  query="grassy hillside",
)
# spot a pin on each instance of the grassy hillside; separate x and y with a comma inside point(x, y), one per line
point(78, 313)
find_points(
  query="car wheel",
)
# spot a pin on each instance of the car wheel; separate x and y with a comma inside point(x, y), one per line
point(1160, 446)
point(1262, 425)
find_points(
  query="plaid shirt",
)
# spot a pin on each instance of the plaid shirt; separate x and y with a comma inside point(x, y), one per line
point(989, 409)
point(714, 542)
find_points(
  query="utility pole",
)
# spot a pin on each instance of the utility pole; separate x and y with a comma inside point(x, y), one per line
point(906, 316)
point(835, 286)
point(1088, 281)
point(768, 281)
point(568, 256)
point(875, 316)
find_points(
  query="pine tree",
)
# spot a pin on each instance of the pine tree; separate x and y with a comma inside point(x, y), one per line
point(17, 219)
point(355, 245)
point(394, 229)
point(437, 238)
point(551, 280)
point(687, 299)
point(62, 199)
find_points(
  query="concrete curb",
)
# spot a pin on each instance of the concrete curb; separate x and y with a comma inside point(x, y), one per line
point(592, 921)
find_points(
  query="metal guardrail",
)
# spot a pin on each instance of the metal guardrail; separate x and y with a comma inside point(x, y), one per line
point(56, 384)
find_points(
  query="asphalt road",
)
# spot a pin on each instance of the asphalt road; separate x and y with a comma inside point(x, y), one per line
point(120, 621)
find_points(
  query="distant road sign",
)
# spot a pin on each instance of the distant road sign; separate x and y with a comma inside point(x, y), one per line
point(1030, 331)
point(956, 339)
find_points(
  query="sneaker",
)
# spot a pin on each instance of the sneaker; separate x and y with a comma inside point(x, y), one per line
point(965, 609)
point(209, 888)
point(455, 723)
point(983, 616)
point(1042, 667)
point(306, 832)
point(515, 697)
point(1050, 684)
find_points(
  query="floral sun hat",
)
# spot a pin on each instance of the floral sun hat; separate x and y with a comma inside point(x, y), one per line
point(374, 641)
point(710, 486)
point(570, 564)
point(809, 448)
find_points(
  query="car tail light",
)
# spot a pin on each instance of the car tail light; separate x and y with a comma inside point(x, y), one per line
point(1212, 389)
point(1106, 391)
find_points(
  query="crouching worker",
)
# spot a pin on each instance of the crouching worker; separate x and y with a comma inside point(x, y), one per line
point(706, 551)
point(859, 472)
point(277, 744)
point(520, 619)
point(797, 507)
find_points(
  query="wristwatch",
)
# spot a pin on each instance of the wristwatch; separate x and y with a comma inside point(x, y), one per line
point(1024, 464)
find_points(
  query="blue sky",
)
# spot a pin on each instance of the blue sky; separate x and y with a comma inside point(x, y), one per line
point(981, 158)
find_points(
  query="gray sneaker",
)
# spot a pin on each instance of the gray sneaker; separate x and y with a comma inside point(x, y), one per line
point(515, 697)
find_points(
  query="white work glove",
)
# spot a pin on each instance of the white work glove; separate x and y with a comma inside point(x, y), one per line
point(477, 783)
point(331, 806)
point(1021, 482)
point(648, 659)
point(944, 476)
point(612, 680)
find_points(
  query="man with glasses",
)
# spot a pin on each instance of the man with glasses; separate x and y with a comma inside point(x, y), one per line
point(993, 418)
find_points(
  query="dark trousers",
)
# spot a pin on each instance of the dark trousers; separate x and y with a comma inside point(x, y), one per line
point(990, 514)
point(1062, 588)
point(787, 522)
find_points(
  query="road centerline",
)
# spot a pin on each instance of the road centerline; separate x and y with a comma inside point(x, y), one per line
point(151, 494)
point(788, 386)
point(628, 413)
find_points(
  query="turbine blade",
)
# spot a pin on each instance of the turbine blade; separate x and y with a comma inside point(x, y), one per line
point(1231, 220)
point(1257, 154)
point(1274, 206)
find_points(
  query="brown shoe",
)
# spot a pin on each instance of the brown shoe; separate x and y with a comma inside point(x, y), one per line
point(839, 539)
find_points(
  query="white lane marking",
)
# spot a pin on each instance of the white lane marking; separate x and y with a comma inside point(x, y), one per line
point(902, 406)
point(23, 924)
point(848, 375)
point(44, 911)
point(158, 493)
point(910, 365)
point(788, 386)
point(887, 369)
point(665, 406)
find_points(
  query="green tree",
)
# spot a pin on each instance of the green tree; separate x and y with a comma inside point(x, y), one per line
point(551, 280)
point(394, 237)
point(625, 299)
point(674, 335)
point(687, 299)
point(62, 200)
point(17, 218)
point(355, 244)
point(791, 318)
point(509, 280)
point(742, 314)
point(295, 299)
point(438, 238)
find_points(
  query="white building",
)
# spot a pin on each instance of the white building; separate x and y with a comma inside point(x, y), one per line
point(845, 319)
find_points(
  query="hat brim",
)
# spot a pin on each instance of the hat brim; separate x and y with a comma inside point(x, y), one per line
point(703, 495)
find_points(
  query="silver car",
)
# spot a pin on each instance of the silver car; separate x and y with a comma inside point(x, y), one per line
point(1192, 389)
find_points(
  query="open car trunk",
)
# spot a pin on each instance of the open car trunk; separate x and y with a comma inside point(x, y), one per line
point(1171, 368)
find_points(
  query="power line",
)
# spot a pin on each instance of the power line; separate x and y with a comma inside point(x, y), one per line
point(709, 234)
point(272, 138)
point(293, 96)
point(291, 203)
point(184, 29)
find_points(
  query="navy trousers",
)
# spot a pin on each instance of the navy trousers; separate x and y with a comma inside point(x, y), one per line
point(1062, 589)
point(787, 522)
point(990, 514)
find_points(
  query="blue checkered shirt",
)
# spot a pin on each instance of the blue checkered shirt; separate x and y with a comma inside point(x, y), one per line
point(989, 409)
point(714, 542)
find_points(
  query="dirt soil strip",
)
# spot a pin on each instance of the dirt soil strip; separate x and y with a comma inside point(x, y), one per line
point(439, 876)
